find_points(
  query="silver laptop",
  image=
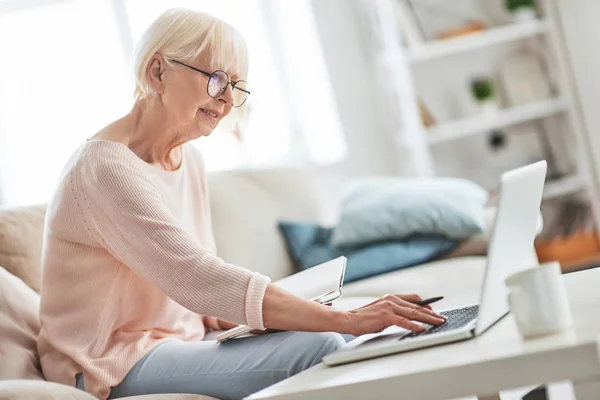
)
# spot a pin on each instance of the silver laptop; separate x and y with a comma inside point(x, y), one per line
point(511, 249)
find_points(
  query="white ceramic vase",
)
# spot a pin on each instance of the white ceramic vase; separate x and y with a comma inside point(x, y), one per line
point(488, 107)
point(524, 14)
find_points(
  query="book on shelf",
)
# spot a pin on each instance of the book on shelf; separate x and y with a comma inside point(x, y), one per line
point(426, 117)
point(467, 28)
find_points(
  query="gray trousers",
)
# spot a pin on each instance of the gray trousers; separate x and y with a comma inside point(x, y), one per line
point(230, 370)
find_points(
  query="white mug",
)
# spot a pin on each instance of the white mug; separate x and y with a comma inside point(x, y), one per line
point(538, 300)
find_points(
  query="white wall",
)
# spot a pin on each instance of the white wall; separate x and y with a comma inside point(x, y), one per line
point(581, 32)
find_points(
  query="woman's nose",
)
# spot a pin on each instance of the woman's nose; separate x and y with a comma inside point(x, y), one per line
point(227, 95)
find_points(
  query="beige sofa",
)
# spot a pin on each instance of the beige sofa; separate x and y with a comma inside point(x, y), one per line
point(246, 206)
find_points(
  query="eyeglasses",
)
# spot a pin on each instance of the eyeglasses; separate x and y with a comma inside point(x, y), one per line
point(217, 85)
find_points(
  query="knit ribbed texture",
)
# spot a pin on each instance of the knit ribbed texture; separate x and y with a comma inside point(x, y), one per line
point(129, 261)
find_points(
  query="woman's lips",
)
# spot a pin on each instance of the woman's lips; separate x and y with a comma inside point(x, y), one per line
point(209, 114)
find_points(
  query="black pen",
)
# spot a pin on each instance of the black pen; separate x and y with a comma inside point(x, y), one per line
point(428, 301)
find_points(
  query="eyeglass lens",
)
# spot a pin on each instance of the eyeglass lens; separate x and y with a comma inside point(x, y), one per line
point(217, 84)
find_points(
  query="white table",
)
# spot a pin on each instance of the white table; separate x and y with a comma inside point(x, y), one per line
point(497, 360)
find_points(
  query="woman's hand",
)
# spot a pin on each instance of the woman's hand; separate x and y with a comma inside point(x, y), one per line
point(225, 325)
point(284, 311)
point(392, 309)
point(214, 324)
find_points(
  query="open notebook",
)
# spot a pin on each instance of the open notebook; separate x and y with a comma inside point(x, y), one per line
point(321, 283)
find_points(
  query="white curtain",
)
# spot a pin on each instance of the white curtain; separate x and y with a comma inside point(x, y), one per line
point(397, 89)
point(310, 95)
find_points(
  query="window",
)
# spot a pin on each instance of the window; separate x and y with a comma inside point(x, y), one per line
point(66, 73)
point(63, 77)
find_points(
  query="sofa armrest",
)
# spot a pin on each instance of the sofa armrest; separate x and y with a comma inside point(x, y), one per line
point(478, 244)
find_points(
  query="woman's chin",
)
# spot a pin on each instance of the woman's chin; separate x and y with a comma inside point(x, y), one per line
point(203, 132)
point(200, 129)
point(205, 129)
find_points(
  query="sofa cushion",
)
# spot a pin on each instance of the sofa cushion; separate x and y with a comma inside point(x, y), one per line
point(24, 389)
point(389, 208)
point(456, 279)
point(21, 234)
point(27, 389)
point(245, 208)
point(19, 328)
point(310, 244)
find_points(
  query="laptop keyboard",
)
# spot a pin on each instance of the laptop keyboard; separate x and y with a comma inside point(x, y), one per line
point(456, 319)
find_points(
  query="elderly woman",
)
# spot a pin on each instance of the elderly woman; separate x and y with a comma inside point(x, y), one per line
point(131, 279)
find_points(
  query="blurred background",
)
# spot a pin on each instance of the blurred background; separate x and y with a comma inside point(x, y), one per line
point(419, 88)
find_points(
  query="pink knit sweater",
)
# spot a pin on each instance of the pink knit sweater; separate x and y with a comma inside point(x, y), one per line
point(129, 262)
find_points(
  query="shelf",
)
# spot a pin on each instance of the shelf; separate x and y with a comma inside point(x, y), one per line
point(504, 118)
point(477, 40)
point(564, 186)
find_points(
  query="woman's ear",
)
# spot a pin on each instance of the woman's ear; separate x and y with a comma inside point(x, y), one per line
point(155, 73)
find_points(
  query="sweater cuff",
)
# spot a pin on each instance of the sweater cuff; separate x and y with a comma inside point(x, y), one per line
point(254, 300)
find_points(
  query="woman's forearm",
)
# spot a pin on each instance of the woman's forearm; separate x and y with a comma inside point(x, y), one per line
point(284, 311)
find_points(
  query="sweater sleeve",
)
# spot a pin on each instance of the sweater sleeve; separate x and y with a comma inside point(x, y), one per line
point(131, 220)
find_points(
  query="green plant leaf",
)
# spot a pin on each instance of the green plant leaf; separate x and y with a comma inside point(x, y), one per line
point(482, 89)
point(513, 5)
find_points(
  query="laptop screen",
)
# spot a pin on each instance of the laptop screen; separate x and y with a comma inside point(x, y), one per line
point(512, 243)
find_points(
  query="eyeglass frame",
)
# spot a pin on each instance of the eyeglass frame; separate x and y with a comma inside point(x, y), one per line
point(232, 83)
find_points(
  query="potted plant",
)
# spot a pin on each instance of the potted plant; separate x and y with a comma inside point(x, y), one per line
point(522, 10)
point(484, 93)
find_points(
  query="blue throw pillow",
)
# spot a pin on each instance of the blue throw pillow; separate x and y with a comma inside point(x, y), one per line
point(310, 245)
point(388, 208)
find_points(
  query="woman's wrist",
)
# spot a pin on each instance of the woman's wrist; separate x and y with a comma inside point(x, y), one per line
point(330, 319)
point(284, 311)
point(342, 322)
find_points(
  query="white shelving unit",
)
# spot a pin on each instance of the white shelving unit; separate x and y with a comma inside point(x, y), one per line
point(478, 40)
point(564, 105)
point(504, 118)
